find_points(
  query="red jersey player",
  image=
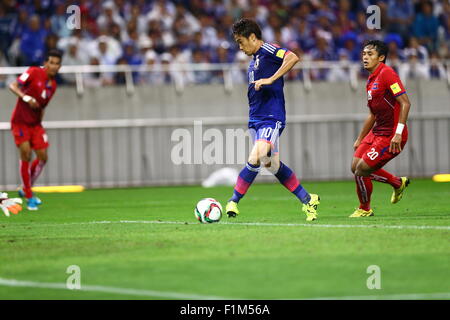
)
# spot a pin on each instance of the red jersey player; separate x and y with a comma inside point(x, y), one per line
point(35, 87)
point(384, 133)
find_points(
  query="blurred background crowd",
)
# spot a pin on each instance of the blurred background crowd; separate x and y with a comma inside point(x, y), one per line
point(159, 32)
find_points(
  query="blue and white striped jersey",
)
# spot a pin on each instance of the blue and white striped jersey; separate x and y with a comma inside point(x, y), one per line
point(268, 102)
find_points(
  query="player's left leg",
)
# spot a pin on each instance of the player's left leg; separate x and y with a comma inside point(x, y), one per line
point(398, 183)
point(289, 179)
point(38, 164)
point(36, 168)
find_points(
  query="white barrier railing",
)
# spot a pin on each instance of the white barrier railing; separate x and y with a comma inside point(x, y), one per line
point(177, 68)
point(126, 123)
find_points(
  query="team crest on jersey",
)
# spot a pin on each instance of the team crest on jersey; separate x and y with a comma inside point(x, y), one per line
point(256, 65)
point(369, 95)
point(375, 86)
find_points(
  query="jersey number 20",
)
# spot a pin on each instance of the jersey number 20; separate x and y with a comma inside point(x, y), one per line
point(372, 154)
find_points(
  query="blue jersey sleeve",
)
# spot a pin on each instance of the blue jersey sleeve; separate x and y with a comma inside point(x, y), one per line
point(275, 53)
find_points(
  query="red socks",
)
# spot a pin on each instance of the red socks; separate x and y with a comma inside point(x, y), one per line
point(26, 178)
point(383, 176)
point(364, 189)
point(364, 185)
point(29, 174)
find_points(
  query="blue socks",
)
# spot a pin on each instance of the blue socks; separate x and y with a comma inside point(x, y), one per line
point(290, 181)
point(245, 179)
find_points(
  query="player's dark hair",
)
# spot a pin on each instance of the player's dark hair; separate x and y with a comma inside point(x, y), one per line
point(245, 27)
point(53, 53)
point(380, 47)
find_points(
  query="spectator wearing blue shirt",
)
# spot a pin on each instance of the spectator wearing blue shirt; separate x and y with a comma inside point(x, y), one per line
point(201, 76)
point(321, 52)
point(350, 43)
point(20, 24)
point(305, 38)
point(59, 22)
point(131, 57)
point(400, 15)
point(32, 46)
point(425, 26)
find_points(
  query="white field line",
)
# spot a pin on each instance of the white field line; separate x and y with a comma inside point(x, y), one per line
point(122, 291)
point(187, 296)
point(406, 296)
point(259, 224)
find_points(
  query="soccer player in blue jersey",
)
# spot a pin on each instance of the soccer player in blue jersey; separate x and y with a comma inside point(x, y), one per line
point(267, 116)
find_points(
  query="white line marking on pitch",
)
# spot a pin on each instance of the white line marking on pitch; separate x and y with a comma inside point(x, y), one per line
point(123, 291)
point(261, 224)
point(187, 296)
point(406, 296)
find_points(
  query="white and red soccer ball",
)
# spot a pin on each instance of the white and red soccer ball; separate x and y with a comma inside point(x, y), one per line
point(208, 210)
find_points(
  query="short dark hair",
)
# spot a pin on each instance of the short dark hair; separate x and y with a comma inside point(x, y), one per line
point(380, 47)
point(245, 27)
point(53, 53)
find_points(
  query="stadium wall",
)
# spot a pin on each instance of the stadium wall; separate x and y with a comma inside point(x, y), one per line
point(322, 125)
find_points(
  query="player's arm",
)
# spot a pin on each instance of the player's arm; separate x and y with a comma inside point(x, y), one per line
point(367, 126)
point(15, 88)
point(405, 105)
point(289, 60)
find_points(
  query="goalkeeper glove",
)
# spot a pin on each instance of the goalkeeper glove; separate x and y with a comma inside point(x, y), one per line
point(10, 205)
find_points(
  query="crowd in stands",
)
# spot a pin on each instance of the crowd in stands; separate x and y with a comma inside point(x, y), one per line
point(164, 32)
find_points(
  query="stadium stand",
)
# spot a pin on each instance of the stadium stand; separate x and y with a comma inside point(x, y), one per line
point(162, 32)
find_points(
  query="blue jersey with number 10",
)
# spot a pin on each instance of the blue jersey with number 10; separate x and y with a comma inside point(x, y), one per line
point(268, 102)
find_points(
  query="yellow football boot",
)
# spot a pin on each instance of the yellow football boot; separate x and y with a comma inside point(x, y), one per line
point(310, 208)
point(232, 209)
point(361, 213)
point(398, 193)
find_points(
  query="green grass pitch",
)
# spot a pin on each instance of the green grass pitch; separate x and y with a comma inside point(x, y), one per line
point(268, 252)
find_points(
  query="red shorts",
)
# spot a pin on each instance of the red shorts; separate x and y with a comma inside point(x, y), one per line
point(36, 135)
point(374, 150)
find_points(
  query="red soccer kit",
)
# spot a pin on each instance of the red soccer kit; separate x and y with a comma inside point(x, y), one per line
point(383, 86)
point(25, 121)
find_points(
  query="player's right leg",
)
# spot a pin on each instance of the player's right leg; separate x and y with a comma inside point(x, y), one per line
point(362, 172)
point(247, 176)
point(38, 140)
point(364, 187)
point(25, 173)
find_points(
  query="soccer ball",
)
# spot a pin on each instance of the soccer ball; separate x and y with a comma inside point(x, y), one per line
point(208, 210)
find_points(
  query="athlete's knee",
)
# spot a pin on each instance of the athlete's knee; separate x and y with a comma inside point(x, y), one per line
point(25, 154)
point(43, 157)
point(254, 160)
point(353, 167)
point(273, 165)
point(362, 169)
point(258, 156)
